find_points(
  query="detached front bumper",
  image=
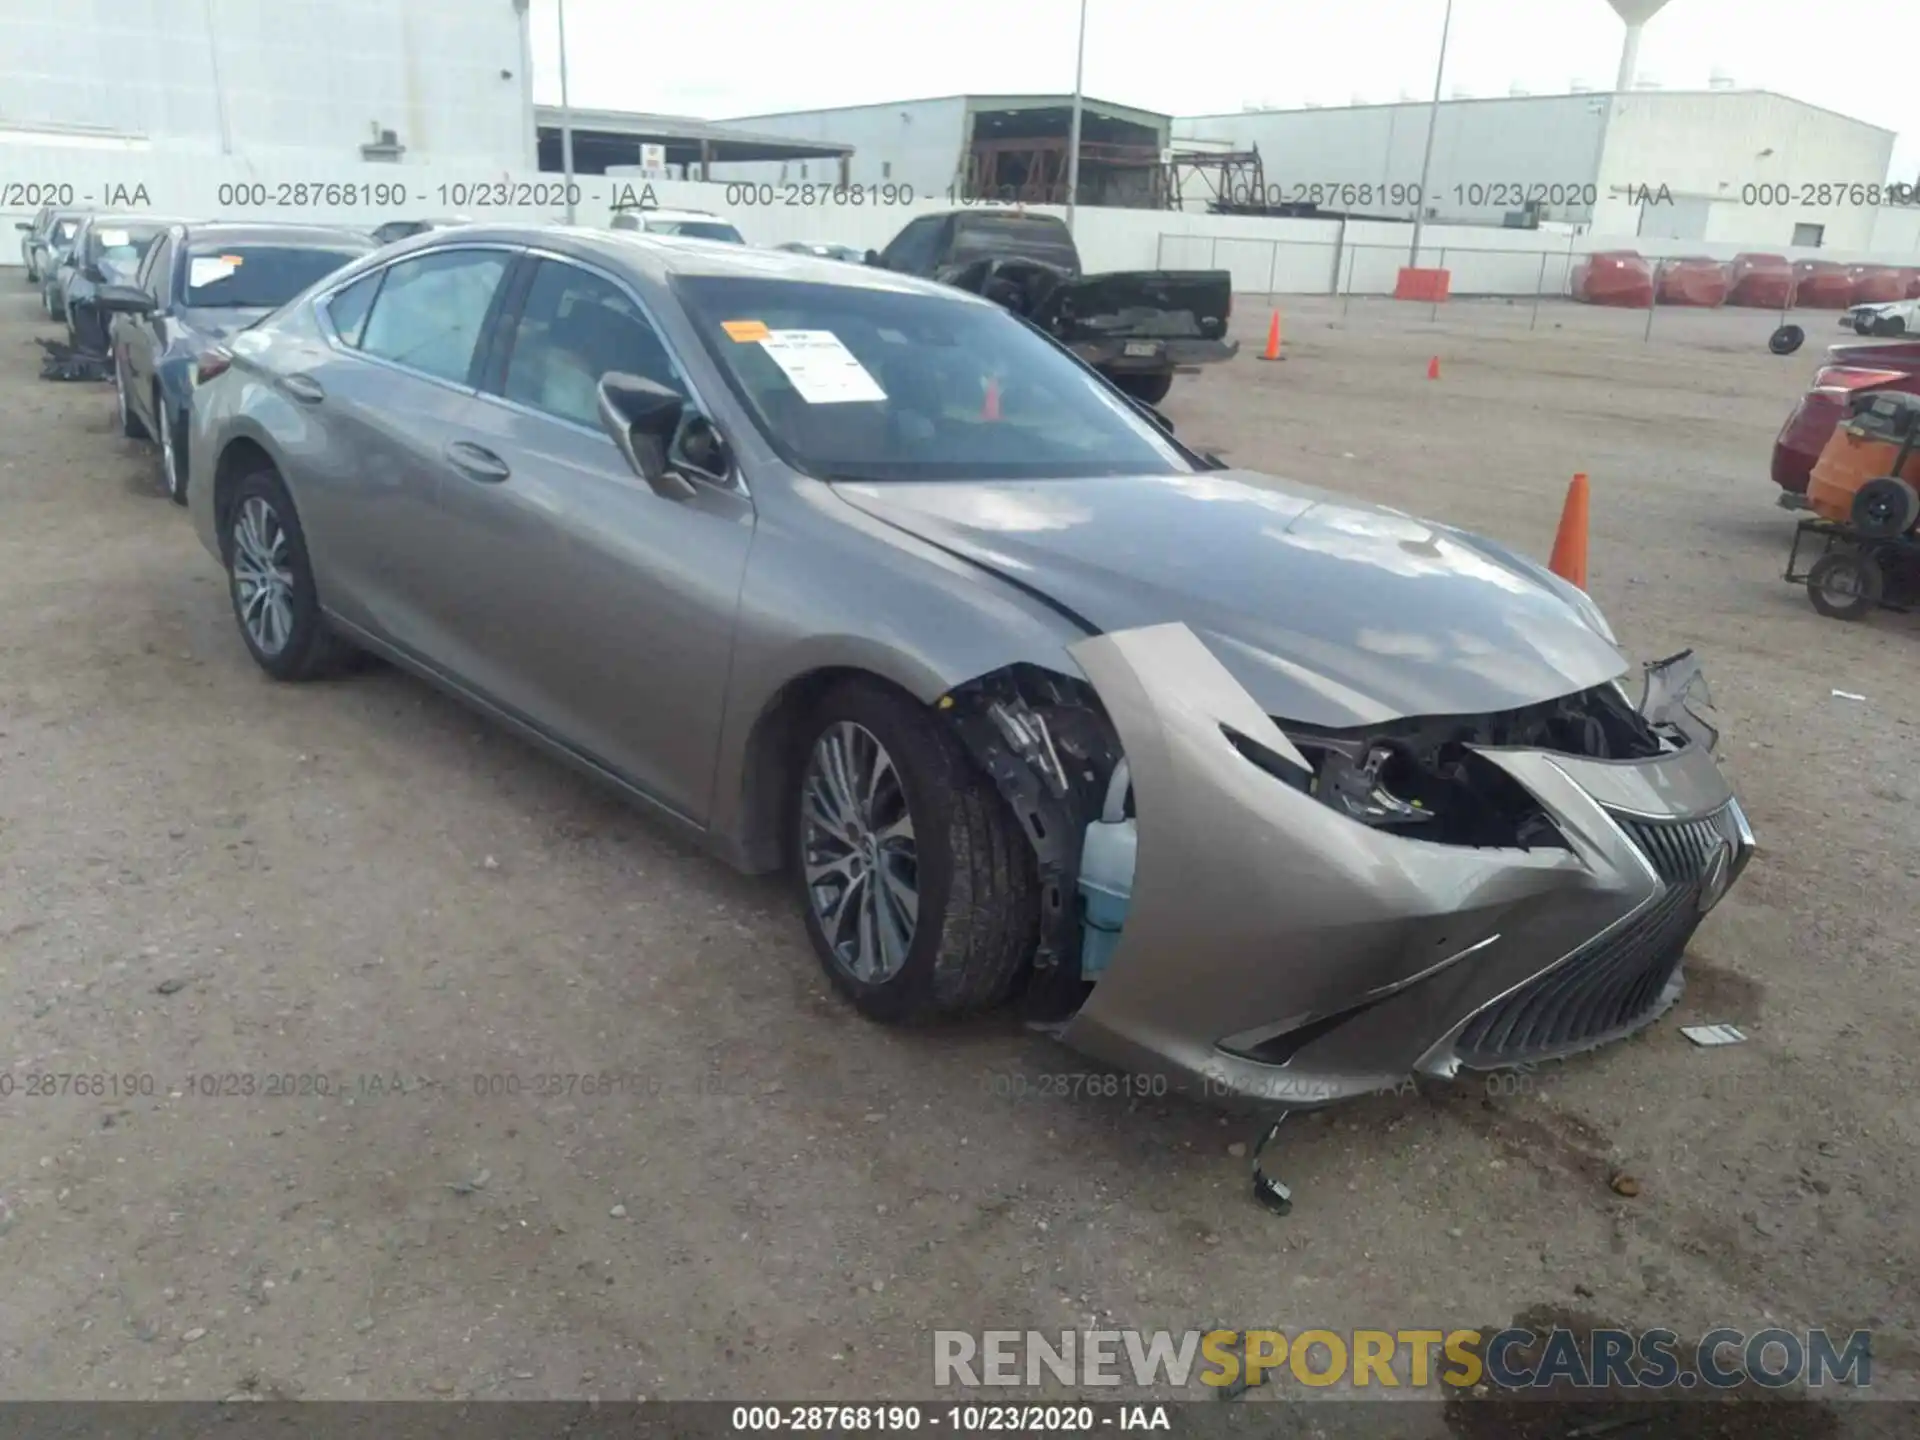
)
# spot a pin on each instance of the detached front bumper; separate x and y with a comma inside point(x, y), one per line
point(1276, 952)
point(1146, 355)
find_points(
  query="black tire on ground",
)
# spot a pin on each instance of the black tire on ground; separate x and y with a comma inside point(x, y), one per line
point(1786, 340)
point(1885, 507)
point(1845, 585)
point(130, 425)
point(312, 649)
point(979, 904)
point(1148, 389)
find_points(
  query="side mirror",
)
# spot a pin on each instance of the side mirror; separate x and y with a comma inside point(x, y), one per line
point(642, 417)
point(704, 449)
point(873, 258)
point(124, 300)
point(23, 225)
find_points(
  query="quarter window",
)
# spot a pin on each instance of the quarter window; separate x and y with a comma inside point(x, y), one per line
point(429, 313)
point(574, 328)
point(347, 307)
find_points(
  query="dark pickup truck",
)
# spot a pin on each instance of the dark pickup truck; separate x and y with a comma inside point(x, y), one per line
point(1136, 327)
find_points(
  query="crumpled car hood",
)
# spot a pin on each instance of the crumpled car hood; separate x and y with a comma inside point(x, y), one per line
point(1327, 611)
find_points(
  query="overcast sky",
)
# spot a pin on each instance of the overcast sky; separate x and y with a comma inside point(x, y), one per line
point(722, 58)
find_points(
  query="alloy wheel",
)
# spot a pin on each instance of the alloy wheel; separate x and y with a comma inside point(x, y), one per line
point(262, 576)
point(858, 853)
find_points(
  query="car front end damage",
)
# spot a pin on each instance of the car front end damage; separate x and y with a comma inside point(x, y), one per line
point(1306, 916)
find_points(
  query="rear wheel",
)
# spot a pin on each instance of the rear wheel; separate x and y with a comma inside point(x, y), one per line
point(270, 581)
point(1845, 585)
point(1148, 389)
point(918, 887)
point(173, 455)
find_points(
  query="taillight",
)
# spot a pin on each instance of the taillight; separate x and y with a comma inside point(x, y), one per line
point(1844, 379)
point(212, 363)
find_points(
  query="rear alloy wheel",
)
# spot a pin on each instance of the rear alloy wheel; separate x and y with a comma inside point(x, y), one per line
point(1845, 585)
point(130, 425)
point(270, 581)
point(919, 889)
point(173, 463)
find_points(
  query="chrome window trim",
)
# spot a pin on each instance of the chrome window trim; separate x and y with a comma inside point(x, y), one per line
point(330, 336)
point(738, 485)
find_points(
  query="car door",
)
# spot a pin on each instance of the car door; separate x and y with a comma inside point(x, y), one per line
point(142, 337)
point(368, 404)
point(583, 601)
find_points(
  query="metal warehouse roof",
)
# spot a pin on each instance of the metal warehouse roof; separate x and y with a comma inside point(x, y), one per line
point(723, 142)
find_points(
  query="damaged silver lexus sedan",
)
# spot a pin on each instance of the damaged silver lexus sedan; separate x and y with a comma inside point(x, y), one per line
point(1219, 777)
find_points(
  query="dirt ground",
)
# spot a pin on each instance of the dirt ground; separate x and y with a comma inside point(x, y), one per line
point(203, 874)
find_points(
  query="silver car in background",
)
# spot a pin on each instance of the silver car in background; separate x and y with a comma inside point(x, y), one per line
point(1274, 794)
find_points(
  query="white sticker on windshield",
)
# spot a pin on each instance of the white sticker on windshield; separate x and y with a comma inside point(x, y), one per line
point(114, 239)
point(822, 369)
point(208, 270)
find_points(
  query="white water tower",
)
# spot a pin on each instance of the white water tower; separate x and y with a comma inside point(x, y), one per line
point(1636, 13)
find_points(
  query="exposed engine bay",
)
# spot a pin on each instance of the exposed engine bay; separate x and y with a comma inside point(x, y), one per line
point(1048, 744)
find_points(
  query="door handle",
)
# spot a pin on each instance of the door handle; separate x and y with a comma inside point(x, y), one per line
point(304, 388)
point(476, 462)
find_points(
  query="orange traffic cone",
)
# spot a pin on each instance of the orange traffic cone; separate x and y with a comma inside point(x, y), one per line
point(1570, 544)
point(990, 407)
point(1433, 368)
point(1272, 351)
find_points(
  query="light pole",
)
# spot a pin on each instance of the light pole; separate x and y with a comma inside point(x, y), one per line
point(1073, 128)
point(1433, 129)
point(566, 112)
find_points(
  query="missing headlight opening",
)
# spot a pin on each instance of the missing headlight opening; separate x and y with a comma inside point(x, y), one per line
point(1422, 778)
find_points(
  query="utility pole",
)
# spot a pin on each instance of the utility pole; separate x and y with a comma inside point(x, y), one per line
point(1433, 129)
point(566, 112)
point(1073, 130)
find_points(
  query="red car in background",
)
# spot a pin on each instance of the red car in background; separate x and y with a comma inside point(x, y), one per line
point(1849, 369)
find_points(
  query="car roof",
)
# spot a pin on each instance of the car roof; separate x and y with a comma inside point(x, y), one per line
point(656, 212)
point(136, 217)
point(269, 232)
point(662, 257)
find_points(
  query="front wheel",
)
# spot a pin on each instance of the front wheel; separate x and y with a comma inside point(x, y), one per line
point(919, 890)
point(173, 455)
point(130, 425)
point(270, 581)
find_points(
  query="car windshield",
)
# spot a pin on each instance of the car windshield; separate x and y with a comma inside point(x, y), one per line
point(247, 277)
point(863, 383)
point(697, 230)
point(119, 245)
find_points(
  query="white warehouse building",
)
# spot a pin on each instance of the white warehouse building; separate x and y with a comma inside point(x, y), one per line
point(164, 93)
point(1745, 167)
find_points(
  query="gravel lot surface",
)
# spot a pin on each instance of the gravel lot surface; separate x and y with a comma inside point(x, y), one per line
point(358, 893)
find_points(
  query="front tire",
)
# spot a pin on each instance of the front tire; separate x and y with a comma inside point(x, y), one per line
point(270, 582)
point(919, 890)
point(1845, 585)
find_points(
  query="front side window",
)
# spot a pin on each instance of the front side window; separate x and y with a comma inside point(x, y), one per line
point(256, 277)
point(574, 328)
point(431, 309)
point(863, 383)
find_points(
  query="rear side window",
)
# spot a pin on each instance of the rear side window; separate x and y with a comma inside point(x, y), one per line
point(429, 313)
point(912, 251)
point(1030, 237)
point(347, 308)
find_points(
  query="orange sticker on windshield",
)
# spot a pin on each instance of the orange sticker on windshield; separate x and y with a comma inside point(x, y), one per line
point(233, 260)
point(745, 331)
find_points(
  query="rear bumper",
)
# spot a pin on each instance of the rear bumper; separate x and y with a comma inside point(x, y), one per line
point(1802, 439)
point(1279, 954)
point(1112, 356)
